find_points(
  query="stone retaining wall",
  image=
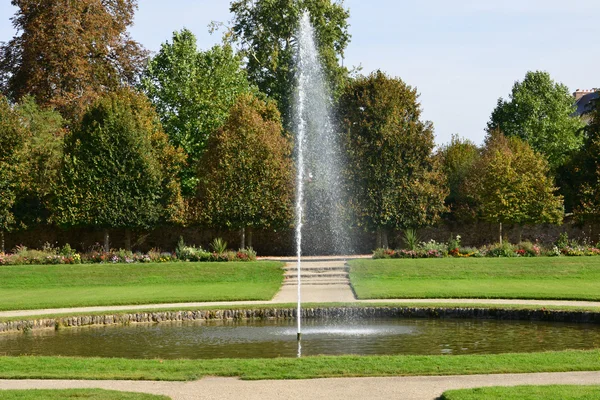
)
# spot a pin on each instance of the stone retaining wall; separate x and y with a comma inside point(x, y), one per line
point(290, 313)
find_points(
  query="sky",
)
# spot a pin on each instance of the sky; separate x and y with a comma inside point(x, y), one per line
point(461, 55)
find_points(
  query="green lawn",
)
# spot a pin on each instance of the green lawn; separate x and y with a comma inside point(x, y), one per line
point(54, 286)
point(526, 393)
point(576, 278)
point(85, 394)
point(294, 368)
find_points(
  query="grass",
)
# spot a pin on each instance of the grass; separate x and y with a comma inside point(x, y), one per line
point(294, 368)
point(53, 286)
point(563, 392)
point(86, 394)
point(557, 278)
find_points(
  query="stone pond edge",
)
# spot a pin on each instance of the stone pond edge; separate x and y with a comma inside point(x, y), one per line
point(589, 317)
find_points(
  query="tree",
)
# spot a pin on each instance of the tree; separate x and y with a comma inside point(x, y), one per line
point(119, 170)
point(581, 177)
point(41, 154)
point(193, 92)
point(69, 52)
point(540, 112)
point(511, 184)
point(395, 182)
point(265, 30)
point(457, 159)
point(246, 172)
point(11, 135)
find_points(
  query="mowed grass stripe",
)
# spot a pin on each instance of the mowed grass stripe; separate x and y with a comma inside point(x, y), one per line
point(563, 392)
point(79, 394)
point(295, 368)
point(510, 278)
point(36, 287)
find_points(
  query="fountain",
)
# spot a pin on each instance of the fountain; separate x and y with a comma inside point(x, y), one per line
point(318, 160)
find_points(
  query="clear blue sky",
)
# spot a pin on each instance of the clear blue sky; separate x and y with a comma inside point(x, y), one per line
point(461, 55)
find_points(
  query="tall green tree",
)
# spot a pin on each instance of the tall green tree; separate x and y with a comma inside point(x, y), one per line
point(41, 156)
point(540, 111)
point(68, 53)
point(246, 172)
point(511, 184)
point(581, 177)
point(266, 31)
point(395, 182)
point(11, 137)
point(119, 170)
point(193, 92)
point(457, 159)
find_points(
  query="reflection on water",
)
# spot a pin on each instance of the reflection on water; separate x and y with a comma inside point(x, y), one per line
point(245, 339)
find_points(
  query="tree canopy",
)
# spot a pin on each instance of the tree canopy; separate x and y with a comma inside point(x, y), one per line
point(511, 184)
point(395, 183)
point(457, 159)
point(69, 52)
point(540, 111)
point(119, 170)
point(246, 172)
point(266, 31)
point(193, 92)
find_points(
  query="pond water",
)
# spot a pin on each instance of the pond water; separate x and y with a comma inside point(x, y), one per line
point(263, 339)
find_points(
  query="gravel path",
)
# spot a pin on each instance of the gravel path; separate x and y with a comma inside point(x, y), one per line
point(413, 388)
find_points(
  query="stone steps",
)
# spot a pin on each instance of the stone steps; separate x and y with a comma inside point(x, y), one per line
point(327, 282)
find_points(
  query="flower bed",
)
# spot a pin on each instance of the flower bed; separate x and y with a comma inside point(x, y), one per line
point(66, 255)
point(433, 249)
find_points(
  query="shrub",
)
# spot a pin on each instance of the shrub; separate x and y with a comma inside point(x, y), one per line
point(219, 246)
point(411, 239)
point(501, 250)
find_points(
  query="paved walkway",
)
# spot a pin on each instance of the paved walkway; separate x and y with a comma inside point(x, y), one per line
point(406, 388)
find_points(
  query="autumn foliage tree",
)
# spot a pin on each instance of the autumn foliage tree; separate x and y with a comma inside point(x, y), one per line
point(69, 52)
point(511, 184)
point(246, 172)
point(395, 182)
point(119, 171)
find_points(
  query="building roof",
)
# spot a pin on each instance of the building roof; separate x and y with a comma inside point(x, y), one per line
point(584, 104)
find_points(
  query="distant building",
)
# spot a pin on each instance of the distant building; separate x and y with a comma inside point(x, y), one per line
point(584, 100)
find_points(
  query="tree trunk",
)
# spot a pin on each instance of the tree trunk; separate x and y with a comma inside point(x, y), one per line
point(242, 238)
point(249, 238)
point(106, 241)
point(500, 232)
point(520, 233)
point(378, 239)
point(384, 239)
point(2, 242)
point(127, 240)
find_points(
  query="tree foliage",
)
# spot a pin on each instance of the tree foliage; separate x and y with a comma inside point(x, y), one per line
point(119, 170)
point(266, 30)
point(581, 177)
point(32, 144)
point(395, 182)
point(193, 92)
point(246, 172)
point(69, 52)
point(11, 136)
point(457, 159)
point(540, 112)
point(41, 154)
point(511, 184)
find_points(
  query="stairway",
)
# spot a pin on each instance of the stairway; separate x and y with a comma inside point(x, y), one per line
point(321, 282)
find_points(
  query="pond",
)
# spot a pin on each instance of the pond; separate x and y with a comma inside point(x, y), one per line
point(266, 338)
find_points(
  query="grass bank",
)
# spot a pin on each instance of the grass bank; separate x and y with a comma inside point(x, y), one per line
point(566, 392)
point(56, 286)
point(85, 394)
point(557, 278)
point(294, 368)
